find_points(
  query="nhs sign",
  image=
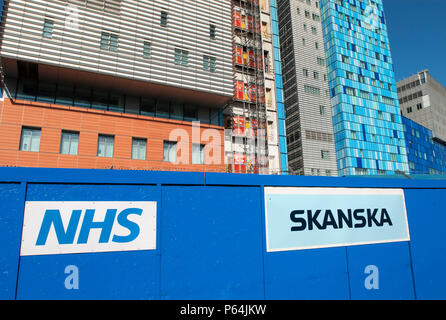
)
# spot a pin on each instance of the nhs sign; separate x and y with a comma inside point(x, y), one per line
point(82, 227)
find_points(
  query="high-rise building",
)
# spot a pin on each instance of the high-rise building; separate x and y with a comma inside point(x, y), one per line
point(309, 126)
point(254, 120)
point(367, 123)
point(115, 84)
point(426, 155)
point(423, 100)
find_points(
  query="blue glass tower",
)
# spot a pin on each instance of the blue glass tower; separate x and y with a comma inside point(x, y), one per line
point(368, 128)
point(425, 155)
point(279, 89)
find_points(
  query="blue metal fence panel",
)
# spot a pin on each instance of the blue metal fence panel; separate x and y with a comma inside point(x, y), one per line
point(427, 218)
point(392, 278)
point(11, 217)
point(309, 274)
point(211, 243)
point(111, 275)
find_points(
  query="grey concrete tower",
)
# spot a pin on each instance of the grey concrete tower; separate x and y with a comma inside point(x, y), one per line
point(311, 148)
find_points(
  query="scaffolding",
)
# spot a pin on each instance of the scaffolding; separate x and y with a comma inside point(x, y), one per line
point(246, 145)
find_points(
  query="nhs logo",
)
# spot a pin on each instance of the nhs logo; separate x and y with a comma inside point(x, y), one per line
point(82, 227)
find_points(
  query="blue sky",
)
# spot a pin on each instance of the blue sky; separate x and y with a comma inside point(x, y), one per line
point(417, 31)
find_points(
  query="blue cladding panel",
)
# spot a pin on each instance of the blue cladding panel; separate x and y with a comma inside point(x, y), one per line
point(11, 214)
point(427, 219)
point(118, 275)
point(211, 243)
point(395, 280)
point(309, 274)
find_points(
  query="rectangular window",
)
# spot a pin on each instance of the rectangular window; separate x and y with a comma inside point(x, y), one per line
point(105, 146)
point(325, 154)
point(322, 111)
point(181, 57)
point(109, 41)
point(146, 49)
point(350, 91)
point(212, 31)
point(139, 148)
point(312, 90)
point(198, 153)
point(209, 63)
point(69, 143)
point(170, 151)
point(48, 28)
point(30, 139)
point(164, 19)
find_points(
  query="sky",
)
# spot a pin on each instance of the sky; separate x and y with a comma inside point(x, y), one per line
point(417, 32)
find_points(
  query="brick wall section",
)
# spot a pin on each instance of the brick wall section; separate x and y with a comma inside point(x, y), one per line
point(52, 119)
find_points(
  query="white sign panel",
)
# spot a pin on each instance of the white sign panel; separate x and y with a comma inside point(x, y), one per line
point(65, 227)
point(309, 218)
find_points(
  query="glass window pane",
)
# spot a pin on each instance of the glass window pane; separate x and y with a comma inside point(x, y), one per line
point(139, 149)
point(170, 151)
point(116, 103)
point(74, 144)
point(65, 95)
point(105, 146)
point(177, 111)
point(35, 140)
point(65, 143)
point(197, 153)
point(104, 40)
point(190, 112)
point(100, 100)
point(46, 93)
point(27, 90)
point(82, 98)
point(148, 107)
point(162, 109)
point(25, 144)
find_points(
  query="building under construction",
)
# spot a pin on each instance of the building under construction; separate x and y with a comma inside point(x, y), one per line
point(252, 121)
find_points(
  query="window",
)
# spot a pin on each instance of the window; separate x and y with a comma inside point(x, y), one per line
point(322, 111)
point(350, 91)
point(212, 31)
point(198, 153)
point(139, 148)
point(170, 151)
point(209, 63)
point(69, 143)
point(146, 49)
point(419, 106)
point(163, 20)
point(350, 75)
point(364, 95)
point(325, 154)
point(181, 57)
point(312, 90)
point(30, 139)
point(48, 28)
point(321, 61)
point(109, 41)
point(105, 146)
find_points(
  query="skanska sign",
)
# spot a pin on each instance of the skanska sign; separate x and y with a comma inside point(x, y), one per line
point(310, 218)
point(52, 227)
